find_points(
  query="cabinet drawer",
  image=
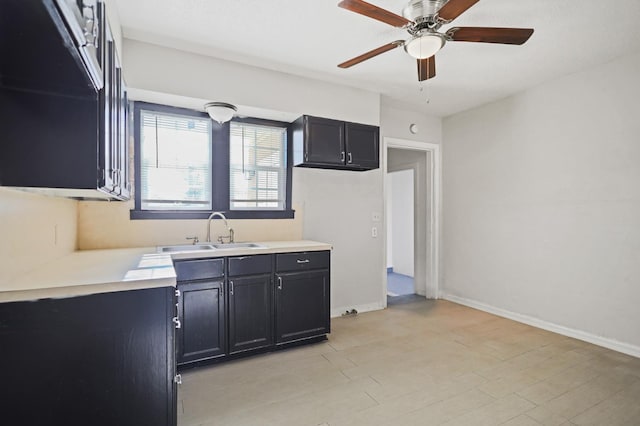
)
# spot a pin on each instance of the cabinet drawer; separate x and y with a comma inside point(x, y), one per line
point(187, 270)
point(302, 261)
point(250, 265)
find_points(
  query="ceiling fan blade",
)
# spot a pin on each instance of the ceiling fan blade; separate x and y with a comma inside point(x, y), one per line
point(491, 35)
point(375, 12)
point(454, 8)
point(426, 68)
point(371, 54)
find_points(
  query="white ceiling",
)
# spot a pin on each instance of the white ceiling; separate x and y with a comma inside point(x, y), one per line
point(310, 37)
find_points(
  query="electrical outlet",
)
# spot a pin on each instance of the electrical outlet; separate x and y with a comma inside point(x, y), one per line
point(374, 232)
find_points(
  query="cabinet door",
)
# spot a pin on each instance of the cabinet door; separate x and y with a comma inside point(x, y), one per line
point(324, 141)
point(302, 305)
point(363, 144)
point(250, 313)
point(101, 360)
point(201, 311)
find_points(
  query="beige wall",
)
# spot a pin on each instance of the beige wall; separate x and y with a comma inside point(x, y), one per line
point(34, 230)
point(107, 225)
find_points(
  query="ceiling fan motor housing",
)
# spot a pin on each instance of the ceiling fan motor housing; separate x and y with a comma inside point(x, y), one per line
point(422, 10)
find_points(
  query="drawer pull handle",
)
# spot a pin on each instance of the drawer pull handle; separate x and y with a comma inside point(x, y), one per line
point(177, 379)
point(177, 293)
point(279, 283)
point(302, 261)
point(231, 287)
point(176, 321)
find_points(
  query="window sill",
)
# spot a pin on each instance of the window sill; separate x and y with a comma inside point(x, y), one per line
point(230, 214)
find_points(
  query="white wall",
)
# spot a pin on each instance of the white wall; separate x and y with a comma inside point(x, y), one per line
point(34, 230)
point(402, 220)
point(542, 205)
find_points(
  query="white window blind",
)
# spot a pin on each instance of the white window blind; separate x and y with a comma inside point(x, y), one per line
point(257, 167)
point(175, 169)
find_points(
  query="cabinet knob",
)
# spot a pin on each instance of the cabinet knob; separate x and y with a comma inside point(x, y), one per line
point(177, 293)
point(279, 283)
point(176, 321)
point(231, 288)
point(350, 159)
point(342, 156)
point(178, 379)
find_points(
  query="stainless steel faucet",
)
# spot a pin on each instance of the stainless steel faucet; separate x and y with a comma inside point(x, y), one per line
point(221, 237)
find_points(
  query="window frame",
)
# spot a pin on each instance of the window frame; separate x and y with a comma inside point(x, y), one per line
point(220, 137)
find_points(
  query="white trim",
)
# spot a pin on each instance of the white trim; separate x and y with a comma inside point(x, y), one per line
point(337, 312)
point(615, 345)
point(433, 221)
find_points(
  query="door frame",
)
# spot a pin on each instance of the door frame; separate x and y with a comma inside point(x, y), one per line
point(434, 182)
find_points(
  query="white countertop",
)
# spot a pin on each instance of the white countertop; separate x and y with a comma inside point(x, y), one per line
point(268, 247)
point(101, 271)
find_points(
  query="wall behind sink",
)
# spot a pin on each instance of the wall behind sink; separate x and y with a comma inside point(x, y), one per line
point(107, 225)
point(34, 230)
point(331, 206)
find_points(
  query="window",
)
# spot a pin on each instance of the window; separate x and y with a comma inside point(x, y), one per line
point(257, 167)
point(188, 166)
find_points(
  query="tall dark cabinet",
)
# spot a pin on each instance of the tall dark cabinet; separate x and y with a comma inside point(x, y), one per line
point(102, 360)
point(332, 144)
point(59, 134)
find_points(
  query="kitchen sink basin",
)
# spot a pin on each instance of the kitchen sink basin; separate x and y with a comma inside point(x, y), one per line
point(185, 247)
point(229, 246)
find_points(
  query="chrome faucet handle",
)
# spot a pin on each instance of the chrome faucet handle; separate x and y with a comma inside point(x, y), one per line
point(194, 238)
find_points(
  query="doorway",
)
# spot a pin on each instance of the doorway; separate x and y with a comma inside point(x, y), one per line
point(400, 233)
point(421, 161)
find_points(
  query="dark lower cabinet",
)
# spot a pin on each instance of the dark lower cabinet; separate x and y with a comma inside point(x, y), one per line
point(101, 360)
point(250, 313)
point(201, 312)
point(238, 305)
point(302, 305)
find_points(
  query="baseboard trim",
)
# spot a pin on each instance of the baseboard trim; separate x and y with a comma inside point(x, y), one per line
point(615, 345)
point(337, 312)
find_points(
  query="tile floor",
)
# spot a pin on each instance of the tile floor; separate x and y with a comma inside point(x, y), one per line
point(421, 363)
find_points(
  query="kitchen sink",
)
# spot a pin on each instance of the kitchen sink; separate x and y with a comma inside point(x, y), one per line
point(229, 246)
point(185, 247)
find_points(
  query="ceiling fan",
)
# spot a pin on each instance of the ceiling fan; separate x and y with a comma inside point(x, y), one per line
point(422, 19)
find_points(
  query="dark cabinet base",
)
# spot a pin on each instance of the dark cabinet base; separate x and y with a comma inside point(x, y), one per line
point(100, 360)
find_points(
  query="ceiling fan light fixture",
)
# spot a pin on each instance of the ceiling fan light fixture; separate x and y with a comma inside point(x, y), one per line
point(425, 45)
point(220, 111)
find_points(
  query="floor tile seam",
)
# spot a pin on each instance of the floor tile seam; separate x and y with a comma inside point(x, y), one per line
point(575, 389)
point(473, 409)
point(528, 416)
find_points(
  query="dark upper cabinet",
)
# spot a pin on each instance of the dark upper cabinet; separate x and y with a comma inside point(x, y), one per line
point(332, 144)
point(302, 296)
point(201, 310)
point(105, 359)
point(250, 302)
point(363, 144)
point(60, 138)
